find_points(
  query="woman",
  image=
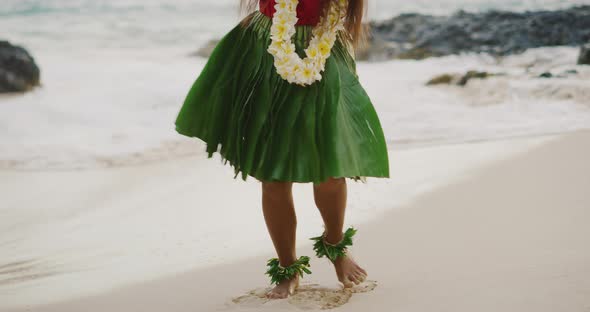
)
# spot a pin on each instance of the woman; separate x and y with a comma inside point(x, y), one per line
point(280, 99)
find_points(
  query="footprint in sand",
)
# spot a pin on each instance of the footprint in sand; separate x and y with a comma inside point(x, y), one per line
point(307, 296)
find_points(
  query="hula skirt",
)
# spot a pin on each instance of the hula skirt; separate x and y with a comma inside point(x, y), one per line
point(276, 131)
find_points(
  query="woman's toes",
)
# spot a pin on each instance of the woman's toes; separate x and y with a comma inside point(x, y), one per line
point(283, 289)
point(360, 277)
point(362, 270)
point(347, 283)
point(354, 279)
point(364, 277)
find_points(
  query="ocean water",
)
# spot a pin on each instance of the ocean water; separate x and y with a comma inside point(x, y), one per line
point(115, 72)
point(116, 24)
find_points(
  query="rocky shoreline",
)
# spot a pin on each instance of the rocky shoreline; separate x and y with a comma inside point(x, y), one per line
point(500, 33)
point(406, 36)
point(419, 36)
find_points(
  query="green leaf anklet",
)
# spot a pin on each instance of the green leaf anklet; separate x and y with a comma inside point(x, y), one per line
point(278, 273)
point(322, 248)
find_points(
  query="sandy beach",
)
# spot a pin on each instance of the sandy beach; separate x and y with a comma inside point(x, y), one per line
point(510, 235)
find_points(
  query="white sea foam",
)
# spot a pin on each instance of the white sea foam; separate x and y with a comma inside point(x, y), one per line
point(115, 73)
point(104, 109)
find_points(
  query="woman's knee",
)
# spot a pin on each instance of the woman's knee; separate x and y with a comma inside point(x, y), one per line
point(331, 184)
point(276, 187)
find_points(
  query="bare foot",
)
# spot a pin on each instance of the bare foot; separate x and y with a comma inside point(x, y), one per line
point(349, 272)
point(284, 289)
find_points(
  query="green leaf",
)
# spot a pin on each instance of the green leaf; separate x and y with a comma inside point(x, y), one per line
point(333, 252)
point(279, 274)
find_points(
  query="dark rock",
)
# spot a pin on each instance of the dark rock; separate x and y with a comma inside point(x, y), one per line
point(472, 74)
point(376, 50)
point(416, 54)
point(18, 71)
point(564, 74)
point(546, 75)
point(442, 79)
point(584, 58)
point(500, 33)
point(459, 80)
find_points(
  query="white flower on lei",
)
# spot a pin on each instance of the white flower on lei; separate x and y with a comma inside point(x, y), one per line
point(286, 60)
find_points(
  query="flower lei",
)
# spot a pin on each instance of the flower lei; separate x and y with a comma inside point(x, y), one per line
point(287, 62)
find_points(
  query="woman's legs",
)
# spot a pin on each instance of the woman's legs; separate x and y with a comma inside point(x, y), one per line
point(281, 221)
point(330, 198)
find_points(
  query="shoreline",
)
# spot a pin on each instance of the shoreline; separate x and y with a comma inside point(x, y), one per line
point(197, 149)
point(476, 251)
point(139, 226)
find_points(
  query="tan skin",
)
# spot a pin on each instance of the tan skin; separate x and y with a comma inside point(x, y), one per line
point(281, 221)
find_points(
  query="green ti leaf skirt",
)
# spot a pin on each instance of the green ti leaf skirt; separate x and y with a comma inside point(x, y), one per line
point(272, 130)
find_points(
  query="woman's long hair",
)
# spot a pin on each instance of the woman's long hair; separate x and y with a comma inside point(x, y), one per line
point(353, 20)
